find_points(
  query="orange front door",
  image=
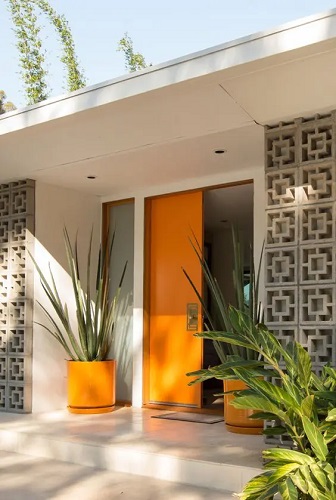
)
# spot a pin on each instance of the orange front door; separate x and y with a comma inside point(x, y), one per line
point(173, 350)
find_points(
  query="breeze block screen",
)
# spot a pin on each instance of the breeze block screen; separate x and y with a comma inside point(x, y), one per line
point(17, 221)
point(300, 247)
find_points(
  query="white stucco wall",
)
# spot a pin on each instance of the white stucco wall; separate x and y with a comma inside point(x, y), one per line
point(256, 173)
point(56, 207)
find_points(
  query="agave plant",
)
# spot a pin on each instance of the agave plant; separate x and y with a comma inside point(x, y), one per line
point(302, 401)
point(219, 319)
point(95, 312)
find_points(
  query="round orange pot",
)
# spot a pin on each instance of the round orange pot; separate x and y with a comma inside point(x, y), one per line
point(237, 420)
point(91, 386)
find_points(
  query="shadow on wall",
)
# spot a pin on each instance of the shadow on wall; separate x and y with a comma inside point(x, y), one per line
point(121, 349)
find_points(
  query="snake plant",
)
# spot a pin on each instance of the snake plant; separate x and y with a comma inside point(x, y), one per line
point(95, 311)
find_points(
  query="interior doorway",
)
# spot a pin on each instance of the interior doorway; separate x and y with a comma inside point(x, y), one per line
point(171, 350)
point(223, 208)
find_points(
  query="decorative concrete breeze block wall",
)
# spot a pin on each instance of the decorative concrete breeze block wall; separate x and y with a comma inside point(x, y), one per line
point(17, 221)
point(300, 245)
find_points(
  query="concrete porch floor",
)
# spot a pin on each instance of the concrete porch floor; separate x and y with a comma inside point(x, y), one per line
point(130, 441)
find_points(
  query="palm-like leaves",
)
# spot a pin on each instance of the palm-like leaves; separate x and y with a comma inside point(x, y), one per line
point(95, 313)
point(298, 398)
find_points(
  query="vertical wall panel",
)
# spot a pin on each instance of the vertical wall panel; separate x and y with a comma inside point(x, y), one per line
point(300, 235)
point(17, 221)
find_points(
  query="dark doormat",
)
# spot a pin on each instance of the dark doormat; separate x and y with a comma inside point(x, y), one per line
point(199, 418)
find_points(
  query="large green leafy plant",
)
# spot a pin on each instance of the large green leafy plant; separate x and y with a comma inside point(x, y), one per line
point(95, 312)
point(218, 317)
point(300, 400)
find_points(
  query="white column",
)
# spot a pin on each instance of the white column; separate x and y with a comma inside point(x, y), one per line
point(139, 230)
point(259, 225)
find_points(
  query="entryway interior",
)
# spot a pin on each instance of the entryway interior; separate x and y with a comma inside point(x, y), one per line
point(224, 207)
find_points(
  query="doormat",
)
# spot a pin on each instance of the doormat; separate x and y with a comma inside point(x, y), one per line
point(199, 418)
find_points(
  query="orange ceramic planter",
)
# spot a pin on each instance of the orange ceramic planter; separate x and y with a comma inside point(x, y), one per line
point(237, 420)
point(91, 386)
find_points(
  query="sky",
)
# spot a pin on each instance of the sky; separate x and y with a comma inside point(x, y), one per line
point(160, 31)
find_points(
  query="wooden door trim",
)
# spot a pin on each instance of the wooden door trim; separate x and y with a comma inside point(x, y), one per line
point(106, 214)
point(203, 189)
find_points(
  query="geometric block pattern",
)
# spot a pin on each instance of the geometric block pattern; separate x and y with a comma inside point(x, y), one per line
point(280, 144)
point(281, 266)
point(281, 187)
point(317, 263)
point(317, 304)
point(17, 221)
point(321, 343)
point(317, 181)
point(317, 223)
point(281, 305)
point(317, 139)
point(281, 227)
point(300, 242)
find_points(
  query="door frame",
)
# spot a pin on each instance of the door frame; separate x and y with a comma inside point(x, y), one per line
point(146, 296)
point(105, 211)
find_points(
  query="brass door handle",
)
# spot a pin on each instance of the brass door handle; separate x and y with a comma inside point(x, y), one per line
point(192, 317)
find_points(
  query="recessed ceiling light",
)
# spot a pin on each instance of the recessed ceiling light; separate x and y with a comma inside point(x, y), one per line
point(220, 151)
point(91, 177)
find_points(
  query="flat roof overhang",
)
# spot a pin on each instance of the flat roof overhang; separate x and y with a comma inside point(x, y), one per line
point(162, 124)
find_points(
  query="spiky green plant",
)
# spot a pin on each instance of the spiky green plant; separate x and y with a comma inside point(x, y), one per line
point(303, 402)
point(95, 313)
point(219, 318)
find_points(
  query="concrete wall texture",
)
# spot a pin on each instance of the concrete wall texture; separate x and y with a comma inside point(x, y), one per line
point(300, 273)
point(300, 278)
point(17, 226)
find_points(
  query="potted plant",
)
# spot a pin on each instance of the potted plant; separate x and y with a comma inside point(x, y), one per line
point(218, 319)
point(301, 401)
point(91, 376)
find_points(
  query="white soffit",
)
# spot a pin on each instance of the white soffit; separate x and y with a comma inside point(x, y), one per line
point(169, 163)
point(307, 33)
point(162, 124)
point(299, 88)
point(187, 110)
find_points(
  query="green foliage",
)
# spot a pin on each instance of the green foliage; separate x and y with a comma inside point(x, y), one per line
point(75, 76)
point(32, 55)
point(5, 106)
point(219, 318)
point(298, 398)
point(96, 313)
point(29, 44)
point(134, 61)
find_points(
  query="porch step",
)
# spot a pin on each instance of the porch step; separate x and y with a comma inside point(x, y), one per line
point(20, 479)
point(129, 441)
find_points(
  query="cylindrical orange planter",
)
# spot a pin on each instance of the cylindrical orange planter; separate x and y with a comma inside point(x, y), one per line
point(237, 420)
point(91, 386)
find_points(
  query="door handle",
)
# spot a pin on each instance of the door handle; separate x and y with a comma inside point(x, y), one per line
point(192, 316)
